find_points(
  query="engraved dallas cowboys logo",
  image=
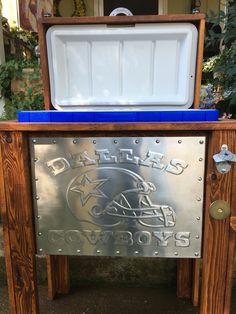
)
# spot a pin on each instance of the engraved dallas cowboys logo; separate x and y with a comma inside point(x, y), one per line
point(109, 196)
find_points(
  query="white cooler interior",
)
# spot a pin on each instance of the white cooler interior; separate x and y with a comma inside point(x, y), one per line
point(141, 67)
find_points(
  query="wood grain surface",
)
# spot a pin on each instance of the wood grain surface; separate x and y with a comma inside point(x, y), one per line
point(184, 278)
point(198, 80)
point(18, 223)
point(58, 275)
point(117, 126)
point(216, 235)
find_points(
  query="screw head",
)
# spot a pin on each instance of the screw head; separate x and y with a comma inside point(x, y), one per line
point(136, 252)
point(117, 252)
point(94, 142)
point(40, 233)
point(197, 237)
point(196, 253)
point(40, 250)
point(74, 141)
point(136, 141)
point(201, 142)
point(156, 253)
point(37, 198)
point(179, 141)
point(59, 250)
point(54, 141)
point(157, 141)
point(199, 199)
point(198, 218)
point(200, 159)
point(200, 179)
point(98, 251)
point(34, 141)
point(78, 251)
point(176, 253)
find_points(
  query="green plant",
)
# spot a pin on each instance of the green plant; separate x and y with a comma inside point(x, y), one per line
point(21, 89)
point(223, 66)
point(29, 95)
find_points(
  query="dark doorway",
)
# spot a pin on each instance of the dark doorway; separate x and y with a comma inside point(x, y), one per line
point(137, 7)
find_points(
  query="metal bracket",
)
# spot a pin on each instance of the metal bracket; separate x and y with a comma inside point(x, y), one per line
point(224, 159)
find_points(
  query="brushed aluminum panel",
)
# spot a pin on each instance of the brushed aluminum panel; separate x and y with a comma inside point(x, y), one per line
point(123, 196)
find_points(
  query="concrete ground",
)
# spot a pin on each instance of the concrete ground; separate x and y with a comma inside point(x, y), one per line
point(112, 300)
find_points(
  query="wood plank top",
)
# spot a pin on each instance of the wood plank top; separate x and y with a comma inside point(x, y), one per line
point(122, 19)
point(115, 126)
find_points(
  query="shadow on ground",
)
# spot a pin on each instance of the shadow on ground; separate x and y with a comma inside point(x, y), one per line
point(112, 299)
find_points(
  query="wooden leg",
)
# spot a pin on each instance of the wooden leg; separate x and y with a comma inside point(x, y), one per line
point(216, 240)
point(17, 217)
point(196, 282)
point(58, 275)
point(184, 278)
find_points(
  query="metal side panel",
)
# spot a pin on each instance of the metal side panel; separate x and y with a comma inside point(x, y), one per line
point(123, 196)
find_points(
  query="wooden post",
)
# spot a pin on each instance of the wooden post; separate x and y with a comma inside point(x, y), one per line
point(216, 281)
point(18, 231)
point(184, 278)
point(58, 275)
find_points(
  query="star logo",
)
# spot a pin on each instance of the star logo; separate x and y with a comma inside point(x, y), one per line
point(88, 188)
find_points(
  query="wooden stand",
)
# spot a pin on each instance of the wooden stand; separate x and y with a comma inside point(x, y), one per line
point(17, 213)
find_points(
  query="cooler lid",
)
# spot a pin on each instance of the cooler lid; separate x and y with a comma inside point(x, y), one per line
point(141, 67)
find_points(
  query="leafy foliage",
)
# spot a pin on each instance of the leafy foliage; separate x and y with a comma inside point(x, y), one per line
point(29, 96)
point(223, 66)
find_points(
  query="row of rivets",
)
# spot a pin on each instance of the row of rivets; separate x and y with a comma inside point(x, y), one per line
point(75, 141)
point(156, 253)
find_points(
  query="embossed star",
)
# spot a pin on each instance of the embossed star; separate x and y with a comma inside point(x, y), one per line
point(88, 188)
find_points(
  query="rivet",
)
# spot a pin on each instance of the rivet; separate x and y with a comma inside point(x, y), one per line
point(59, 250)
point(157, 141)
point(201, 142)
point(36, 179)
point(198, 218)
point(156, 253)
point(223, 170)
point(200, 159)
point(40, 233)
point(117, 252)
point(176, 253)
point(54, 141)
point(37, 198)
point(78, 251)
point(115, 141)
point(40, 250)
point(136, 252)
point(197, 237)
point(98, 251)
point(196, 254)
point(34, 141)
point(94, 142)
point(35, 159)
point(74, 141)
point(220, 210)
point(136, 141)
point(38, 217)
point(179, 141)
point(199, 199)
point(200, 179)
